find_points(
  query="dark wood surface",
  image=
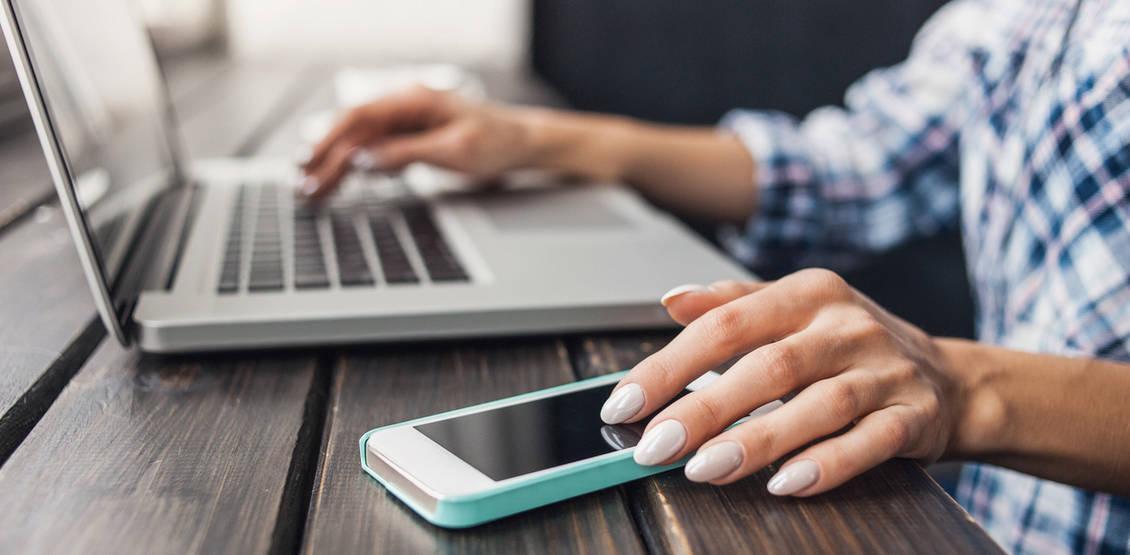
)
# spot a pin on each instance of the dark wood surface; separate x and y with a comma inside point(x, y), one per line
point(105, 449)
point(379, 386)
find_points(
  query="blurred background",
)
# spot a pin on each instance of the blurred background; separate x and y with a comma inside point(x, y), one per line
point(666, 60)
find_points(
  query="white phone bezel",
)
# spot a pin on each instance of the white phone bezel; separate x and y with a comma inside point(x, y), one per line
point(440, 473)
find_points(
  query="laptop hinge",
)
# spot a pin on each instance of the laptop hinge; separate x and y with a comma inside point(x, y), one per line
point(157, 248)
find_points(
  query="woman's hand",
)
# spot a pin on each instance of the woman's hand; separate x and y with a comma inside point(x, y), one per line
point(699, 173)
point(851, 365)
point(420, 125)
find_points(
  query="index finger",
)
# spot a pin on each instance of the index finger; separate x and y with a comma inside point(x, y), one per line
point(734, 328)
point(688, 302)
point(346, 126)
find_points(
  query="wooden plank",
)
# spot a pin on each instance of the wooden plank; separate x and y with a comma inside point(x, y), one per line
point(49, 326)
point(895, 508)
point(24, 181)
point(148, 454)
point(352, 513)
point(43, 287)
point(153, 454)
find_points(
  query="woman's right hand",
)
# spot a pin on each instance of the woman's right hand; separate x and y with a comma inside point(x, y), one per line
point(420, 125)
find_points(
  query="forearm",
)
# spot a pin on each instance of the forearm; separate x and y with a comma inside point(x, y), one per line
point(697, 172)
point(1061, 418)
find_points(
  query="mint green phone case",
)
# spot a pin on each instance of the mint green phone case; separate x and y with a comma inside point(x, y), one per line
point(523, 494)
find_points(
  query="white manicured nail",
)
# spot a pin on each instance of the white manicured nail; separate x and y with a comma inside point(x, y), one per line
point(365, 160)
point(680, 290)
point(661, 443)
point(623, 404)
point(714, 462)
point(310, 185)
point(795, 477)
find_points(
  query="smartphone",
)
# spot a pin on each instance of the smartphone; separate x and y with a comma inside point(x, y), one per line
point(469, 466)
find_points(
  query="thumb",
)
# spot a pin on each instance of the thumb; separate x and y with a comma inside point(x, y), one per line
point(686, 303)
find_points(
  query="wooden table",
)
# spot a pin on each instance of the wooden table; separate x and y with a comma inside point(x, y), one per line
point(106, 449)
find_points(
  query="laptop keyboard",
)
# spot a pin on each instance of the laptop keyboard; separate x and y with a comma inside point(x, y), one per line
point(352, 242)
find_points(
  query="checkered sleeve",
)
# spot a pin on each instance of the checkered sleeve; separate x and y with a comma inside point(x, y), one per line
point(1084, 237)
point(844, 182)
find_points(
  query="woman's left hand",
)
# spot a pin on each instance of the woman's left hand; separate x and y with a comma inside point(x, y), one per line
point(851, 365)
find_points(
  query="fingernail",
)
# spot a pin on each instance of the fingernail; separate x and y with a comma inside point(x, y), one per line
point(365, 160)
point(310, 185)
point(680, 290)
point(795, 477)
point(714, 462)
point(623, 404)
point(661, 443)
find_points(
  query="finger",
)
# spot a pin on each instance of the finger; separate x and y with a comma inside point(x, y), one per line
point(348, 125)
point(370, 122)
point(432, 147)
point(326, 179)
point(739, 326)
point(823, 408)
point(764, 375)
point(877, 437)
point(685, 303)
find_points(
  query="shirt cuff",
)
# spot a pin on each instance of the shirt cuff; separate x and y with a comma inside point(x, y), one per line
point(785, 207)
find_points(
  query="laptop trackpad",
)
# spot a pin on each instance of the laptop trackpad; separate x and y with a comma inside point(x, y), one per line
point(533, 210)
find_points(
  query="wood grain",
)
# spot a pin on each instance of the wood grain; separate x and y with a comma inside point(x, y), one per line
point(49, 318)
point(895, 508)
point(42, 286)
point(352, 513)
point(148, 454)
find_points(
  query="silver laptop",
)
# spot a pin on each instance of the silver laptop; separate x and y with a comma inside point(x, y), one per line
point(186, 255)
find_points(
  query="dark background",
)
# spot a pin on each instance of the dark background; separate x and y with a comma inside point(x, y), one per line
point(683, 61)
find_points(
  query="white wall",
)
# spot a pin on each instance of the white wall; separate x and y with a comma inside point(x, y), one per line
point(484, 33)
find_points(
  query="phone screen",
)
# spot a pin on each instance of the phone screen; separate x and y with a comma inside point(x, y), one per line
point(527, 437)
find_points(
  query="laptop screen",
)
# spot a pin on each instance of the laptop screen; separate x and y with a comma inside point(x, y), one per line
point(95, 69)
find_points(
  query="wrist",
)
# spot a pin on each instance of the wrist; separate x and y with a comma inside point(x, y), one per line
point(981, 419)
point(590, 146)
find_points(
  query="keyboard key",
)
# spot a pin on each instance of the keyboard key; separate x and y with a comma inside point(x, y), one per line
point(309, 259)
point(312, 280)
point(394, 261)
point(233, 249)
point(351, 264)
point(268, 281)
point(266, 254)
point(438, 257)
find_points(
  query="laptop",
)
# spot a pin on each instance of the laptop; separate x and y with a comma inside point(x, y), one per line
point(190, 255)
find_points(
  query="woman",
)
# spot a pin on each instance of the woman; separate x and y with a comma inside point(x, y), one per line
point(1010, 117)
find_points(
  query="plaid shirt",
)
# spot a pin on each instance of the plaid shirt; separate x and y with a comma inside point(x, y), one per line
point(1012, 119)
